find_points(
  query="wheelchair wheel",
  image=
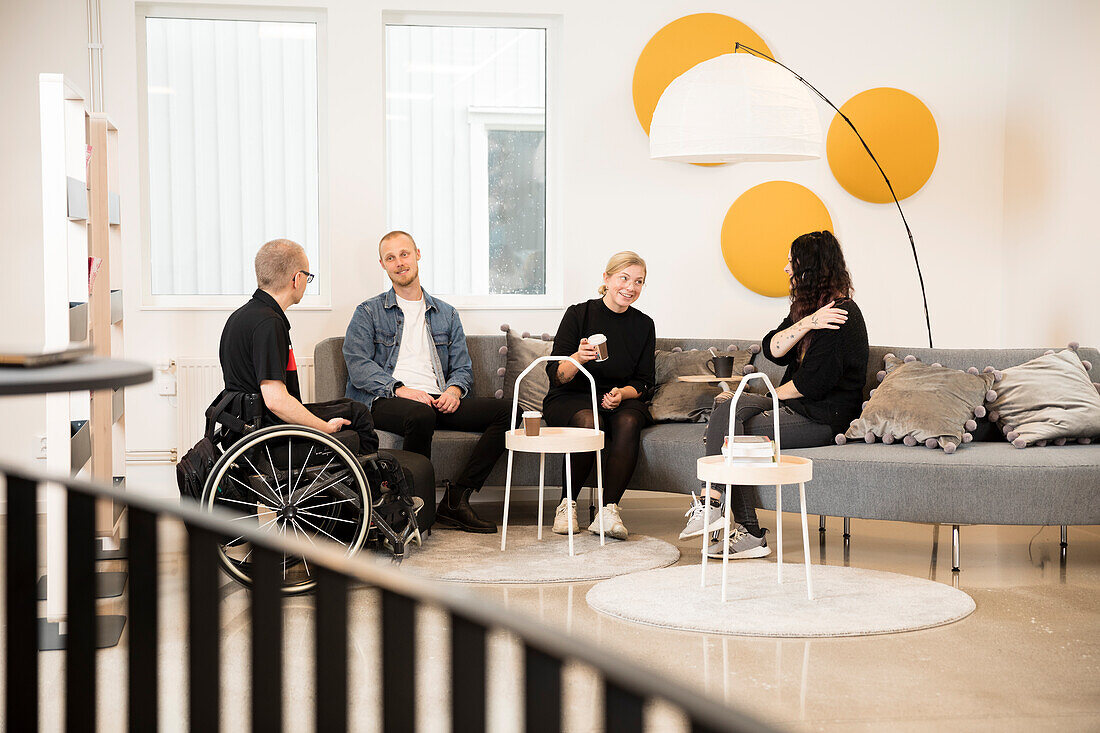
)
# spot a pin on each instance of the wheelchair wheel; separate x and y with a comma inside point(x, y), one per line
point(292, 480)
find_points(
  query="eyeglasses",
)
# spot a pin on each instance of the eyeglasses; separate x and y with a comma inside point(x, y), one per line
point(309, 276)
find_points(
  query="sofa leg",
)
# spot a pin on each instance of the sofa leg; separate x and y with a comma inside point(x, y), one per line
point(821, 523)
point(1065, 537)
point(847, 528)
point(954, 548)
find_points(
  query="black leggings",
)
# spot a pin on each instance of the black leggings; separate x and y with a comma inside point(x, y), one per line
point(622, 429)
point(754, 417)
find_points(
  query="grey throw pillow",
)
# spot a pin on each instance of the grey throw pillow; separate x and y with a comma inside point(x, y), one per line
point(676, 401)
point(922, 403)
point(1047, 399)
point(521, 352)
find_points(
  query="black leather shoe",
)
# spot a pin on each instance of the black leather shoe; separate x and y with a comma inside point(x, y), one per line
point(455, 511)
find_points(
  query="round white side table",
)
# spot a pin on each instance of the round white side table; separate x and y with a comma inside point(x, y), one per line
point(554, 440)
point(784, 470)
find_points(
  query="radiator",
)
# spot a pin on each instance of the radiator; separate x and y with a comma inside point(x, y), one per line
point(198, 382)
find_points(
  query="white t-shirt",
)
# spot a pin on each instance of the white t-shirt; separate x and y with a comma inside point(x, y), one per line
point(414, 358)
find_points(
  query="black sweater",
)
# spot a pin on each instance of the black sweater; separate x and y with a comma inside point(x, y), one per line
point(631, 342)
point(831, 374)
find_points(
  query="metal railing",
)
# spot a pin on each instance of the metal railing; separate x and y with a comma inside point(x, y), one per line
point(627, 687)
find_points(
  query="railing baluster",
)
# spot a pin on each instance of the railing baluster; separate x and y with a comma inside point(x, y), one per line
point(542, 692)
point(80, 677)
point(622, 710)
point(203, 630)
point(467, 675)
point(267, 641)
point(398, 663)
point(331, 651)
point(143, 699)
point(21, 659)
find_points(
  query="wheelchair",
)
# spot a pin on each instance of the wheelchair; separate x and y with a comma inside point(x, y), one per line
point(296, 481)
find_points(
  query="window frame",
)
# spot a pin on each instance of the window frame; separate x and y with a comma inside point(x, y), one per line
point(322, 300)
point(497, 118)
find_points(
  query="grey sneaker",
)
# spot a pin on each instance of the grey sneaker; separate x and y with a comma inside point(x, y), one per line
point(742, 545)
point(694, 526)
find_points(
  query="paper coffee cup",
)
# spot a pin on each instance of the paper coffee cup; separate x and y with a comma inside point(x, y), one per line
point(600, 342)
point(532, 422)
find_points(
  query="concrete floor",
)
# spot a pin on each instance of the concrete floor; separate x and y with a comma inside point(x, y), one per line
point(1027, 659)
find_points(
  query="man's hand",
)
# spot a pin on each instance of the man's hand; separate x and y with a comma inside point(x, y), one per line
point(335, 425)
point(414, 394)
point(612, 399)
point(447, 402)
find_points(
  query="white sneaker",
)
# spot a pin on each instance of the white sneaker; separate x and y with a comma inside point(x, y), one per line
point(612, 523)
point(694, 526)
point(561, 516)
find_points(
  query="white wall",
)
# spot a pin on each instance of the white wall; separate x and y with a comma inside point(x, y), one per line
point(1052, 152)
point(954, 56)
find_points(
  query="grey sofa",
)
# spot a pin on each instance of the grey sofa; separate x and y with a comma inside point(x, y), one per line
point(982, 483)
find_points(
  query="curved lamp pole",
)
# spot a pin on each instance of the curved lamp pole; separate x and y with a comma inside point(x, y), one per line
point(738, 46)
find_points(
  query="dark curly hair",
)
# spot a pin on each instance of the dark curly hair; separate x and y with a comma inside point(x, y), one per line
point(819, 275)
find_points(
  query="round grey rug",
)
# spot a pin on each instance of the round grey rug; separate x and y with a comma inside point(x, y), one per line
point(847, 601)
point(476, 558)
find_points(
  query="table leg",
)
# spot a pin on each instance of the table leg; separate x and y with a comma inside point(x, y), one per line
point(779, 532)
point(542, 474)
point(706, 535)
point(805, 541)
point(599, 491)
point(569, 498)
point(507, 497)
point(726, 543)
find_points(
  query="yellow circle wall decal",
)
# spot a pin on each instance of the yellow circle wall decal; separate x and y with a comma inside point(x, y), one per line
point(759, 228)
point(680, 45)
point(902, 134)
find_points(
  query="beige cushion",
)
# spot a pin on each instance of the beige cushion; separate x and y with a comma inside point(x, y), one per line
point(676, 401)
point(1045, 399)
point(922, 403)
point(521, 352)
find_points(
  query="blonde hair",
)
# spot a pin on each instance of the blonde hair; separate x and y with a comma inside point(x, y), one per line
point(621, 261)
point(277, 262)
point(392, 235)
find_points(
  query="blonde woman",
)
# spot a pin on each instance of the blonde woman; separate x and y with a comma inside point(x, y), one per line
point(624, 381)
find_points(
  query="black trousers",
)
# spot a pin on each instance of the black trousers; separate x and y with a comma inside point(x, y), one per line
point(417, 422)
point(754, 417)
point(418, 470)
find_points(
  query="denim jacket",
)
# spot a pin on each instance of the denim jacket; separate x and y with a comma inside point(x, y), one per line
point(373, 340)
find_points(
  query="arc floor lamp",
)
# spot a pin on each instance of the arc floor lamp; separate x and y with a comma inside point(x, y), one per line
point(738, 107)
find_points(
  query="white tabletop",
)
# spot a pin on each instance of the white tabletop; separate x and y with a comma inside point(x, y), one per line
point(790, 470)
point(555, 440)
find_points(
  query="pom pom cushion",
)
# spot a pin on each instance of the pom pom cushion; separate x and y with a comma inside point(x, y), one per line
point(676, 401)
point(521, 352)
point(922, 403)
point(1046, 399)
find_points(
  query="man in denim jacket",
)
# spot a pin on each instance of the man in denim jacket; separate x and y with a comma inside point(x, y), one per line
point(408, 362)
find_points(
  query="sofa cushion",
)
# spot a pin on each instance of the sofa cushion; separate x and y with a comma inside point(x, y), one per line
point(676, 401)
point(922, 403)
point(1048, 398)
point(521, 352)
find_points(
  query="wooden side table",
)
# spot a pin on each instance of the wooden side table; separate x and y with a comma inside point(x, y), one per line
point(554, 440)
point(784, 470)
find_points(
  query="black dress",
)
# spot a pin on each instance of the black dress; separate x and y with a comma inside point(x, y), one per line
point(631, 341)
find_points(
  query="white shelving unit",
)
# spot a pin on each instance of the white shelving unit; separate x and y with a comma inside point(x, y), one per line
point(84, 433)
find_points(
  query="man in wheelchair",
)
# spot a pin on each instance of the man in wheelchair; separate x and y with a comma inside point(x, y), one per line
point(336, 485)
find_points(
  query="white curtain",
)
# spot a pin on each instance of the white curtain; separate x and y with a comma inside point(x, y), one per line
point(232, 149)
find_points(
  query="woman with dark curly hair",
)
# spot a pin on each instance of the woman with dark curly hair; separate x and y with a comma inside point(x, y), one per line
point(823, 344)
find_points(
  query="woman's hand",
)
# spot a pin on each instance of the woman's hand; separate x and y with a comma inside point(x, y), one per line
point(586, 352)
point(612, 399)
point(828, 317)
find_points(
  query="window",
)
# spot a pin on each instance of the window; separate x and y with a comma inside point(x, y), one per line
point(467, 164)
point(231, 148)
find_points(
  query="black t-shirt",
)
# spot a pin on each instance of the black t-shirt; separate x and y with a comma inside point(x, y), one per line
point(255, 346)
point(832, 372)
point(631, 341)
